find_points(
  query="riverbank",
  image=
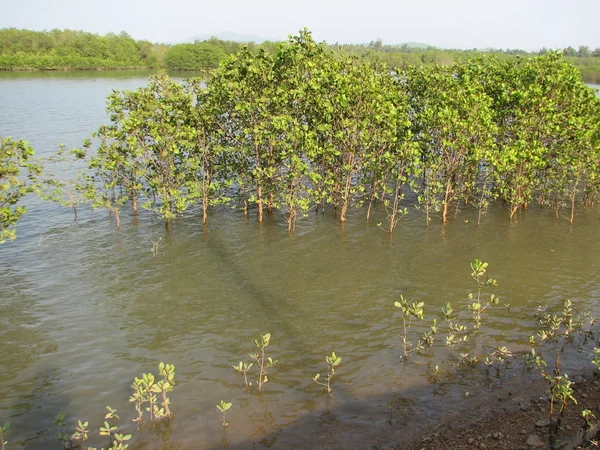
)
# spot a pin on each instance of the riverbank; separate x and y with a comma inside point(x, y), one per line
point(519, 421)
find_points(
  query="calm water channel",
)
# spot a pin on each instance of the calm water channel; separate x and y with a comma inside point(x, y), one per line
point(85, 308)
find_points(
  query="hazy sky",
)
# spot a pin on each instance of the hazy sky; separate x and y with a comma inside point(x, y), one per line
point(526, 24)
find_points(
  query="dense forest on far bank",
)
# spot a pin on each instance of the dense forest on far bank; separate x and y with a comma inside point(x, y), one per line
point(79, 50)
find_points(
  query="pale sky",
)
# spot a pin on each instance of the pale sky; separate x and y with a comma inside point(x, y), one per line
point(525, 24)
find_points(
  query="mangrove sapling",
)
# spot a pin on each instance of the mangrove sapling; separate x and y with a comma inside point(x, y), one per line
point(561, 392)
point(409, 311)
point(332, 362)
point(243, 367)
point(262, 360)
point(145, 390)
point(223, 406)
point(478, 306)
point(3, 430)
point(18, 177)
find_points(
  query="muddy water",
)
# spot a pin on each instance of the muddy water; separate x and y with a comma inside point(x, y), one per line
point(85, 308)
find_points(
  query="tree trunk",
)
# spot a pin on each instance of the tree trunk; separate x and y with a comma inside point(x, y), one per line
point(204, 208)
point(259, 203)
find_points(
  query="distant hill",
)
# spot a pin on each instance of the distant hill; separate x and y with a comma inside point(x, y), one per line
point(228, 36)
point(415, 45)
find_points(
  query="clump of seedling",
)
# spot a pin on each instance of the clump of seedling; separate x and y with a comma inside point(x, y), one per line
point(332, 362)
point(145, 390)
point(498, 357)
point(262, 360)
point(3, 430)
point(77, 439)
point(224, 406)
point(413, 311)
point(467, 361)
point(479, 305)
point(556, 326)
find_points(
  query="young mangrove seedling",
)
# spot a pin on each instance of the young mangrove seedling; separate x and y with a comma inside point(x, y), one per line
point(478, 306)
point(456, 332)
point(588, 416)
point(3, 430)
point(81, 434)
point(532, 359)
point(262, 360)
point(500, 356)
point(243, 367)
point(332, 362)
point(61, 434)
point(223, 406)
point(409, 311)
point(116, 440)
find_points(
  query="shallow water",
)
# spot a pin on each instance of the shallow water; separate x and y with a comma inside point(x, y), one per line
point(85, 307)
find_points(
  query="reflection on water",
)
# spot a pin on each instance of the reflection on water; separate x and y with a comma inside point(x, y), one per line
point(85, 307)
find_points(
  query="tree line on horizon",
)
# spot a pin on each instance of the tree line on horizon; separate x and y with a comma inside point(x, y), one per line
point(79, 50)
point(307, 128)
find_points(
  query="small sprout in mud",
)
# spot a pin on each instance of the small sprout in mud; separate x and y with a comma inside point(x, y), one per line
point(243, 367)
point(262, 360)
point(390, 408)
point(588, 416)
point(3, 430)
point(332, 362)
point(533, 360)
point(224, 406)
point(596, 357)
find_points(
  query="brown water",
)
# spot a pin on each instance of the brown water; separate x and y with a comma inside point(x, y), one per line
point(85, 308)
